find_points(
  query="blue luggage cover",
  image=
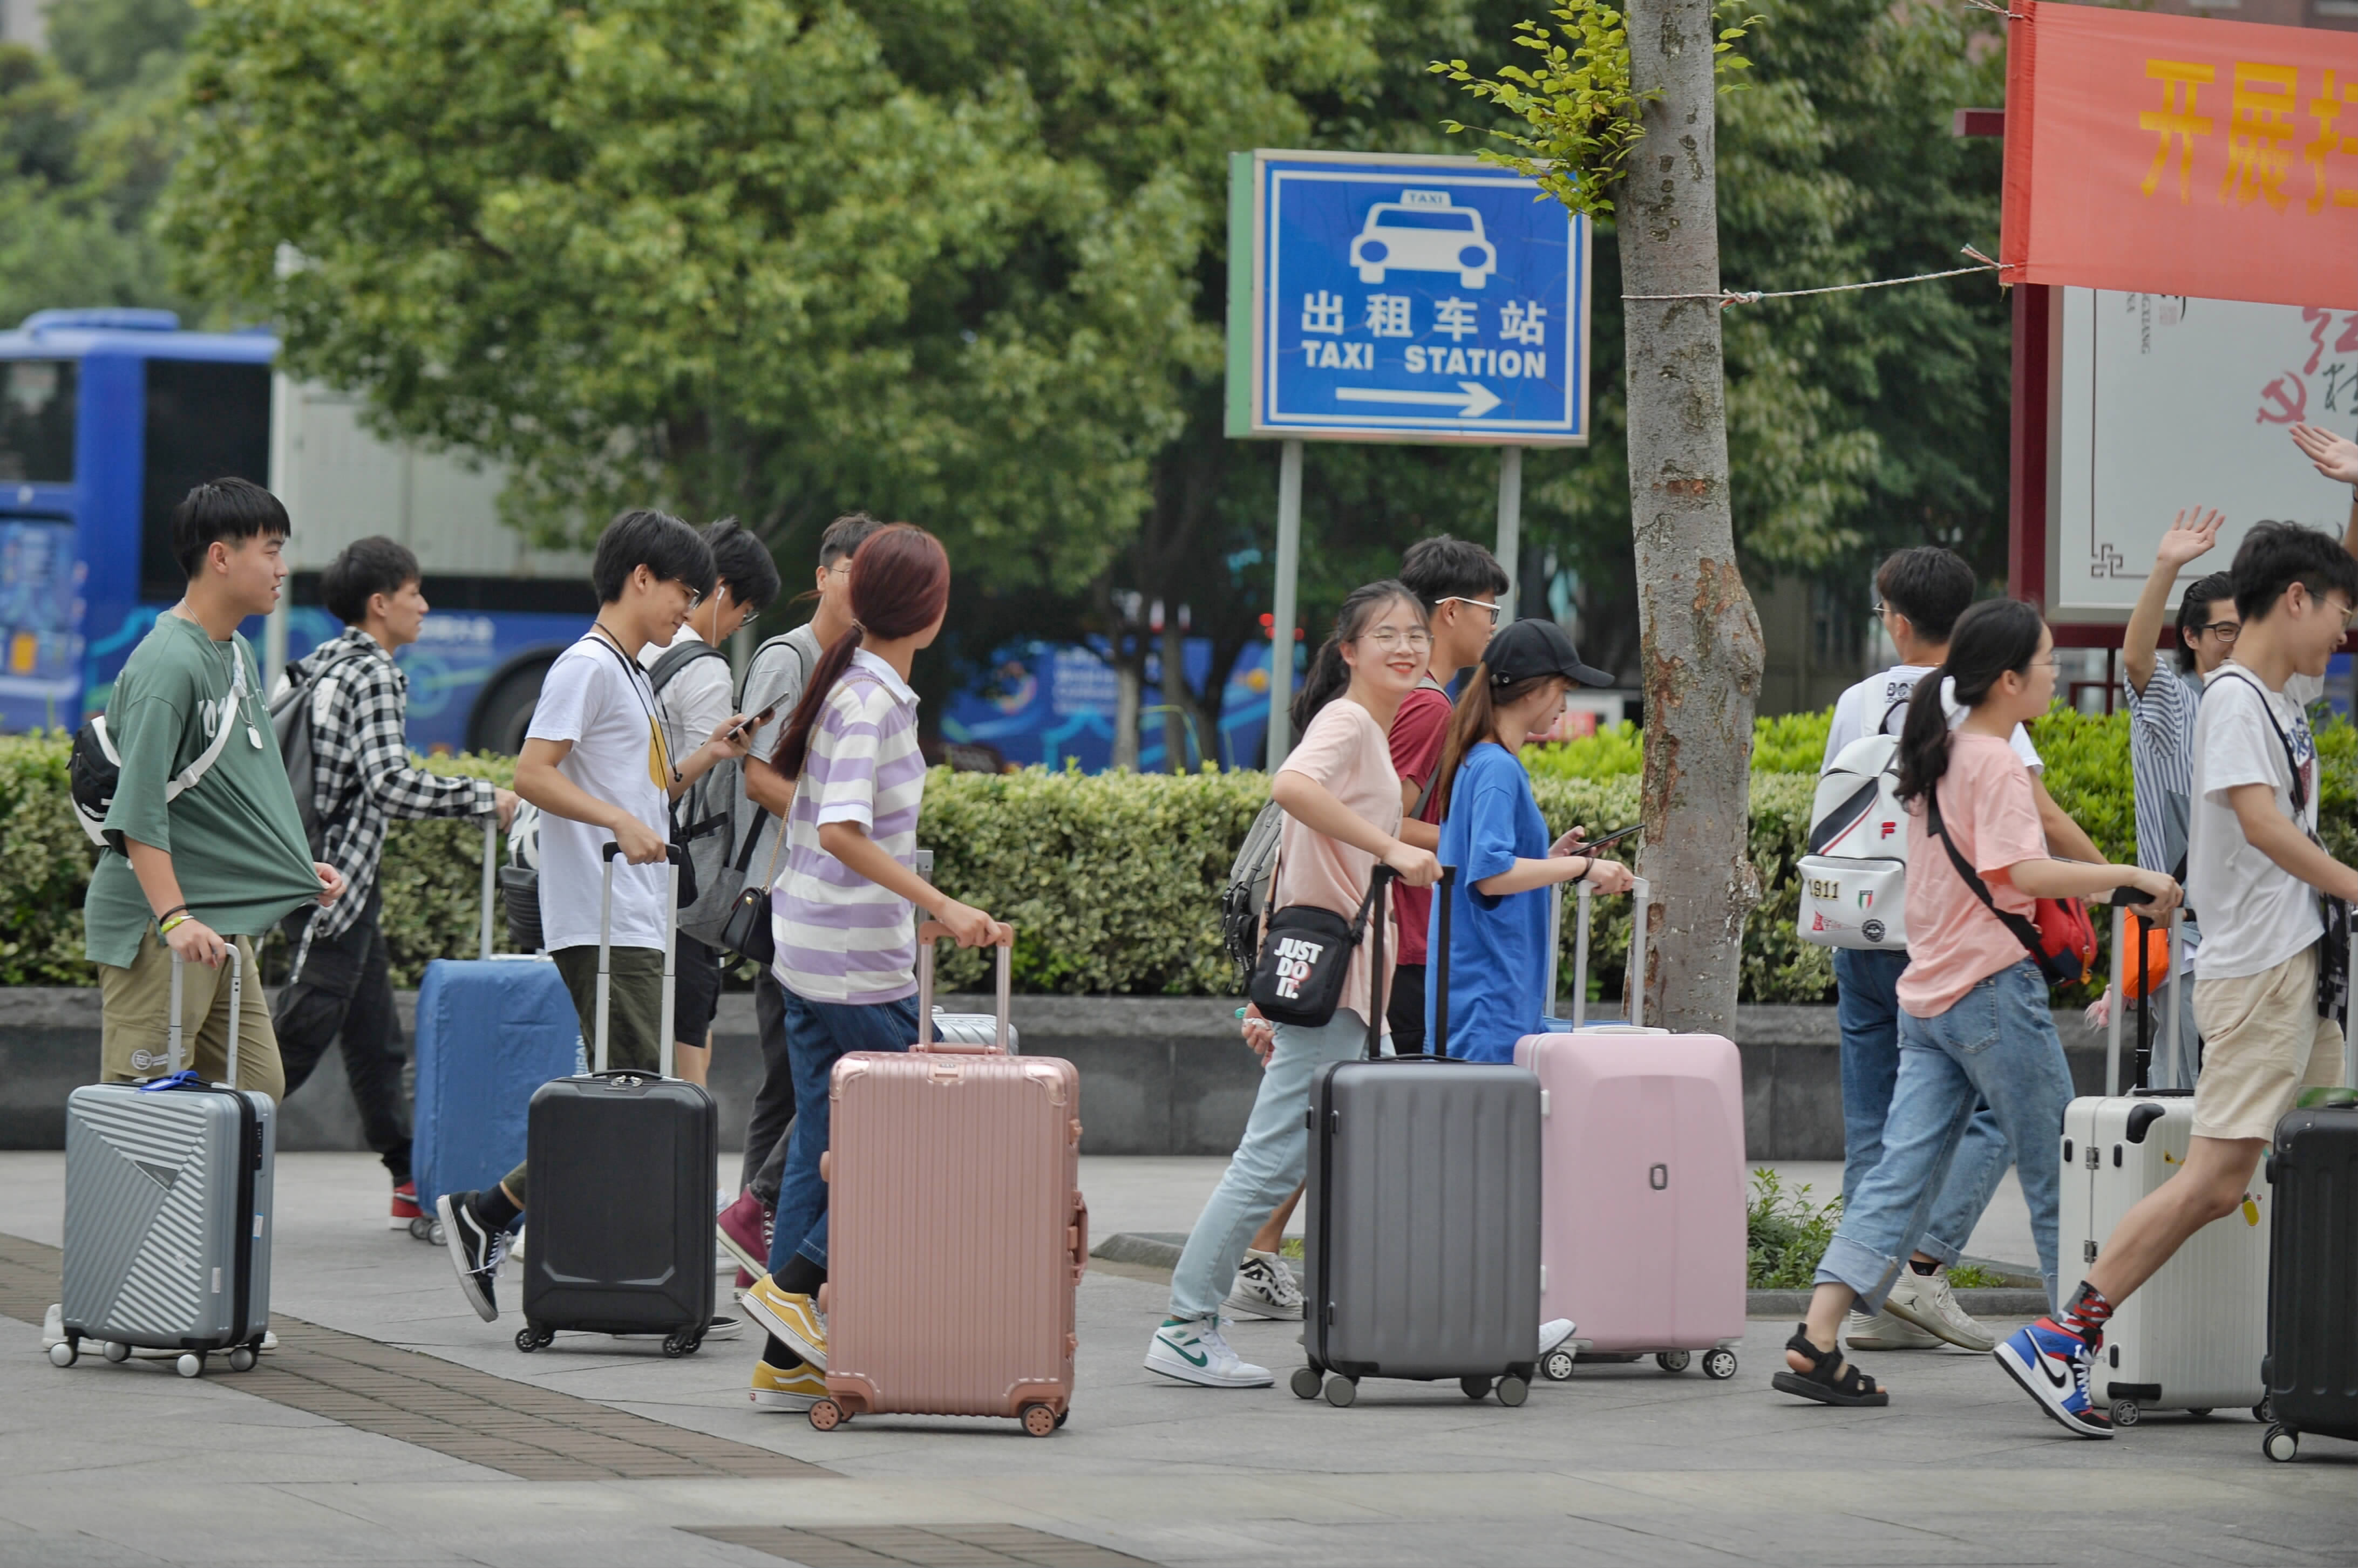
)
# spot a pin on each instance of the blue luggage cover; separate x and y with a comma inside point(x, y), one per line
point(489, 1033)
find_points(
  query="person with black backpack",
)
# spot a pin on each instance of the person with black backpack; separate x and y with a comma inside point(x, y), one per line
point(340, 712)
point(691, 676)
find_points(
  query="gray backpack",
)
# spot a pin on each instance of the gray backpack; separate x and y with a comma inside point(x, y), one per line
point(723, 826)
point(292, 715)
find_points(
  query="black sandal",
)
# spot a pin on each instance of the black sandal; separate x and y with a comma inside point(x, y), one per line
point(1823, 1382)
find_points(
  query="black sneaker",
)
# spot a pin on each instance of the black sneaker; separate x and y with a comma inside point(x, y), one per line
point(476, 1248)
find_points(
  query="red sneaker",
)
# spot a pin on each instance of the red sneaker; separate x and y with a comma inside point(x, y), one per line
point(405, 1206)
point(744, 1227)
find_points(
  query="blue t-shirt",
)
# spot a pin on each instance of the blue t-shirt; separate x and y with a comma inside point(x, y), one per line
point(1498, 946)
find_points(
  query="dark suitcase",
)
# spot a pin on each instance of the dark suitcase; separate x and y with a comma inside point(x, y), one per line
point(619, 1229)
point(1421, 1245)
point(168, 1206)
point(2311, 1371)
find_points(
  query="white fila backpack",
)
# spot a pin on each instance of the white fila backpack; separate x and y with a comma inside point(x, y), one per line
point(1855, 875)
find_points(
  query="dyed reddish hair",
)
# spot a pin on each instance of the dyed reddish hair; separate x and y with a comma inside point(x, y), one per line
point(900, 585)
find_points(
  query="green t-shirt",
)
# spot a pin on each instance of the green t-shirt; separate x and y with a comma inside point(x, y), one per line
point(236, 843)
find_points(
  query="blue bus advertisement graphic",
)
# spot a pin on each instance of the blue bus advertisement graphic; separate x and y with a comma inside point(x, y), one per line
point(1054, 705)
point(1419, 301)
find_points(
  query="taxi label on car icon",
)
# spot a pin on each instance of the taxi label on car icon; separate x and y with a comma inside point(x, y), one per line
point(1424, 231)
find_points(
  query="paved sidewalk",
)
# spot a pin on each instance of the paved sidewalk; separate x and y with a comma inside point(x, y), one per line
point(123, 1464)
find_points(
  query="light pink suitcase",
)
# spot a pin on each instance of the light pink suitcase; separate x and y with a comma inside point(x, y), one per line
point(956, 1230)
point(1641, 1158)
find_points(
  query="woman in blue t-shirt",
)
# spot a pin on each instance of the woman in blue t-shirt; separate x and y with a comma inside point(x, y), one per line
point(1492, 832)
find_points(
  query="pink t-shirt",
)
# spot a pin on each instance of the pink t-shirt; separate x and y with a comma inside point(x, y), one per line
point(1992, 815)
point(1345, 750)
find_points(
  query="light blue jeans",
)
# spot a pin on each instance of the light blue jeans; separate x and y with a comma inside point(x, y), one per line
point(1996, 1046)
point(1268, 1164)
point(1867, 992)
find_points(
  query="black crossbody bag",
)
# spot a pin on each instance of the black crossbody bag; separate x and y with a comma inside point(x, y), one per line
point(1305, 951)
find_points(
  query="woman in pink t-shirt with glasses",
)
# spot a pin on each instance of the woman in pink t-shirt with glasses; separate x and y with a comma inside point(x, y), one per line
point(1975, 1022)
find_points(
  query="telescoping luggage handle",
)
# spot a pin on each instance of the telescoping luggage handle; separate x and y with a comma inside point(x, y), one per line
point(236, 997)
point(606, 951)
point(490, 856)
point(1641, 896)
point(2174, 1069)
point(928, 933)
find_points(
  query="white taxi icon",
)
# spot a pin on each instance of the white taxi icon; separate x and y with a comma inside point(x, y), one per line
point(1423, 232)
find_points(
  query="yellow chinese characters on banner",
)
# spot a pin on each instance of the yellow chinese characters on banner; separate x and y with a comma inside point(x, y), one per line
point(2175, 154)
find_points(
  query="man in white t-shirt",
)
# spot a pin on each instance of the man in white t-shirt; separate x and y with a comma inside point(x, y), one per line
point(773, 684)
point(690, 678)
point(2269, 1001)
point(1919, 594)
point(596, 765)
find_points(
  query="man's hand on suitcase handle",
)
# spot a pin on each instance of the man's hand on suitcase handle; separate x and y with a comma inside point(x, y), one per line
point(641, 845)
point(193, 939)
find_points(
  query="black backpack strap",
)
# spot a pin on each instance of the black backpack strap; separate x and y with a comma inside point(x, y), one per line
point(2024, 931)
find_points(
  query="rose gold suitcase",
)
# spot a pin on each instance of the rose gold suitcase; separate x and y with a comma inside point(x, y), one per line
point(956, 1230)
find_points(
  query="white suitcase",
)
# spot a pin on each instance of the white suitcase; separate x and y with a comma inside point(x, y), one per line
point(2192, 1337)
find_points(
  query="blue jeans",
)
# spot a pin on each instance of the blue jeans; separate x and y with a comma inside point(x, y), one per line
point(1268, 1164)
point(819, 1036)
point(1868, 987)
point(1996, 1046)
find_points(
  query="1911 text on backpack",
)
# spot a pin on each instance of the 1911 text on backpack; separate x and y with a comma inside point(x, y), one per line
point(1854, 874)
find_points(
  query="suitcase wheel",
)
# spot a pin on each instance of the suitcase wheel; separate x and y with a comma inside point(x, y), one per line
point(2127, 1413)
point(425, 1227)
point(683, 1342)
point(1476, 1388)
point(65, 1352)
point(1513, 1391)
point(1557, 1367)
point(532, 1337)
point(2199, 1412)
point(1063, 1416)
point(1341, 1390)
point(1673, 1360)
point(117, 1351)
point(827, 1415)
point(191, 1364)
point(1304, 1382)
point(2281, 1444)
point(1040, 1421)
point(242, 1360)
point(1719, 1365)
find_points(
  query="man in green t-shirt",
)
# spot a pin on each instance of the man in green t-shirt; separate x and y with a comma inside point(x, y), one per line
point(192, 867)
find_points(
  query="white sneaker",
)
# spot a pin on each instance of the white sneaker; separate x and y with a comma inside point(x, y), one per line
point(1264, 1287)
point(1194, 1352)
point(1884, 1332)
point(1553, 1333)
point(1928, 1301)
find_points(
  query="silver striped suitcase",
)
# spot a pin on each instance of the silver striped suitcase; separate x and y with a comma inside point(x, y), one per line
point(167, 1202)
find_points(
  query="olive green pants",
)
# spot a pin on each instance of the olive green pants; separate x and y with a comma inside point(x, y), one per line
point(136, 1020)
point(633, 1014)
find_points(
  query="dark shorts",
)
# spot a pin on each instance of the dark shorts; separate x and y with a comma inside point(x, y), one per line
point(695, 991)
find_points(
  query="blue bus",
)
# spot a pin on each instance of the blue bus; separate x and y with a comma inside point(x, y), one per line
point(107, 417)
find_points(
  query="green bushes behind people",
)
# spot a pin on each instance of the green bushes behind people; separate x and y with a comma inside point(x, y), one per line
point(1112, 880)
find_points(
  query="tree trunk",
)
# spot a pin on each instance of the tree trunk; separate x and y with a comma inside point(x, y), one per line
point(1701, 656)
point(1178, 701)
point(1129, 681)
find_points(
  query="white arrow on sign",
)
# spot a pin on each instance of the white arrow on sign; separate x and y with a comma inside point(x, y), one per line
point(1472, 403)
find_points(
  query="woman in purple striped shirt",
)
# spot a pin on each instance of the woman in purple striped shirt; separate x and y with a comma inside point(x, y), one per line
point(840, 912)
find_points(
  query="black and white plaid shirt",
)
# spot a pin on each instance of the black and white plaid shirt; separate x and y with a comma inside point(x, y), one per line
point(363, 775)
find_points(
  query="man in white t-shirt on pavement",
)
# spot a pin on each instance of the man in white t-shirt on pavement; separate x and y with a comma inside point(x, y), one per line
point(1919, 594)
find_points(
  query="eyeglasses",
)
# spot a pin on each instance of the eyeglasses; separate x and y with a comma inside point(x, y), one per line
point(1416, 640)
point(1475, 603)
point(694, 599)
point(2225, 629)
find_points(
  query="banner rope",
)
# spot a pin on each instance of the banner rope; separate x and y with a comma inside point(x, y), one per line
point(1728, 297)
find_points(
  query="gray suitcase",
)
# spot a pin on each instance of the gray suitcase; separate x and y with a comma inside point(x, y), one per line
point(168, 1202)
point(1422, 1244)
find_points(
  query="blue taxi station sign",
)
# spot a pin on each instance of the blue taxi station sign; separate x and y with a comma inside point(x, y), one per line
point(1400, 298)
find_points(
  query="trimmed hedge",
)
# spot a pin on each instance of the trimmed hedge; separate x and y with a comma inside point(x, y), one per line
point(1112, 879)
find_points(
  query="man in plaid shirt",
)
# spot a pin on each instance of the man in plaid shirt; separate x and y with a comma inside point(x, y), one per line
point(363, 777)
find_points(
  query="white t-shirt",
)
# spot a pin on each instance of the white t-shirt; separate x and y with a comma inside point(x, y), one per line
point(695, 701)
point(2255, 914)
point(602, 702)
point(1880, 702)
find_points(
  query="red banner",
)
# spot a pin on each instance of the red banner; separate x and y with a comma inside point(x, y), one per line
point(2181, 154)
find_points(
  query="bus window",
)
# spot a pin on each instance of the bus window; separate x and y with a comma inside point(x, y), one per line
point(204, 421)
point(36, 420)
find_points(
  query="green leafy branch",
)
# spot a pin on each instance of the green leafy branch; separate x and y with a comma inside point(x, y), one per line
point(1578, 111)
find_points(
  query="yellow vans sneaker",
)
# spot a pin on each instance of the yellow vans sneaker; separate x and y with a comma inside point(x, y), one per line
point(797, 1390)
point(795, 1319)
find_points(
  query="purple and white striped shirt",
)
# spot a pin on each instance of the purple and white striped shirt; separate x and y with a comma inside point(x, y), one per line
point(842, 938)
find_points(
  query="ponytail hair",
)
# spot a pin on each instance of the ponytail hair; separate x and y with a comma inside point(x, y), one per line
point(1475, 720)
point(1992, 638)
point(900, 585)
point(1329, 675)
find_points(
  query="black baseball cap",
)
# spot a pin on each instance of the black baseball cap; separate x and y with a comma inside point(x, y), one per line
point(1524, 650)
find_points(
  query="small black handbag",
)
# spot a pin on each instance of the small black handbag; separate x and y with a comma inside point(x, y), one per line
point(1305, 951)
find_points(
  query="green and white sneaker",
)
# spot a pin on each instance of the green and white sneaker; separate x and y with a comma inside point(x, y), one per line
point(1193, 1351)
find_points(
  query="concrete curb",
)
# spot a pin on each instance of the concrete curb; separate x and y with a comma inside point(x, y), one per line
point(1154, 1249)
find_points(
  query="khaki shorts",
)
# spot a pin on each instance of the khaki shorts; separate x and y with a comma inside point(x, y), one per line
point(2262, 1045)
point(135, 1020)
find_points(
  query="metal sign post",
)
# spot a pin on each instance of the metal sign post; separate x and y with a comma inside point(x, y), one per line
point(1281, 610)
point(1510, 527)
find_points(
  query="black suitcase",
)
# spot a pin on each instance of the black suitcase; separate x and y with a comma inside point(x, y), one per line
point(1422, 1244)
point(2311, 1371)
point(619, 1237)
